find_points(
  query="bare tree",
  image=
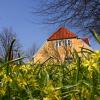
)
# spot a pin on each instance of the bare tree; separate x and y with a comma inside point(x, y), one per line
point(84, 14)
point(31, 51)
point(9, 46)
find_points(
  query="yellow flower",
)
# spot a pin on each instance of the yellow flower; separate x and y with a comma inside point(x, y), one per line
point(25, 68)
point(21, 83)
point(93, 61)
point(51, 93)
point(1, 73)
point(6, 79)
point(47, 98)
point(90, 64)
point(96, 55)
point(49, 89)
point(32, 83)
point(2, 91)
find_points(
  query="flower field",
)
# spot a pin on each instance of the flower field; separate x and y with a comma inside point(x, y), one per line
point(77, 80)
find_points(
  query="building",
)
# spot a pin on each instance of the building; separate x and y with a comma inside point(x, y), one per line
point(59, 46)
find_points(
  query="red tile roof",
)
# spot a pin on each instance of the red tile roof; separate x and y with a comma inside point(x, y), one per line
point(62, 33)
point(86, 40)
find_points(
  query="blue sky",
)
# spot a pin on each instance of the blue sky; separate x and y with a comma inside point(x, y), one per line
point(17, 14)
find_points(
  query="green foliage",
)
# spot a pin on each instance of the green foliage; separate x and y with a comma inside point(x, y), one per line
point(77, 80)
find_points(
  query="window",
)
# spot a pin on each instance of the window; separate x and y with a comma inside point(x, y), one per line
point(69, 42)
point(58, 43)
point(65, 43)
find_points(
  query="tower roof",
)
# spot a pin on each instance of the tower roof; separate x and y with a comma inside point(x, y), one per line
point(62, 33)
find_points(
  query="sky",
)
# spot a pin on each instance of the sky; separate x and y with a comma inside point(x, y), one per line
point(17, 14)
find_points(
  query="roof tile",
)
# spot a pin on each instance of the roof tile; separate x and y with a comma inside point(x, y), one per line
point(62, 33)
